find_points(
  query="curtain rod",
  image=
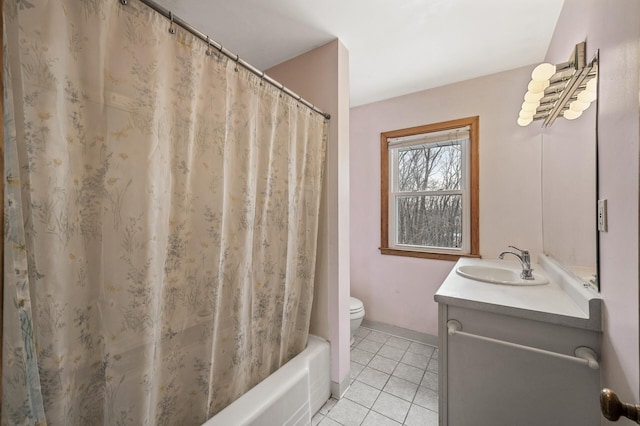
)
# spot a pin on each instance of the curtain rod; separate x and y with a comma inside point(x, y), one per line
point(236, 58)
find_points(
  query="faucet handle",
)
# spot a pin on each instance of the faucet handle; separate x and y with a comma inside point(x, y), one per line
point(521, 251)
point(525, 255)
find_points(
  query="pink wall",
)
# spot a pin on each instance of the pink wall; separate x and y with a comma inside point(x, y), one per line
point(399, 290)
point(614, 29)
point(322, 77)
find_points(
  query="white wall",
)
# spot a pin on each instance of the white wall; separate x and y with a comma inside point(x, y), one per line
point(322, 77)
point(399, 290)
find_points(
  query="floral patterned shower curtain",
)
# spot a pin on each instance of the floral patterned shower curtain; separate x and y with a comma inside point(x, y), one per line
point(161, 219)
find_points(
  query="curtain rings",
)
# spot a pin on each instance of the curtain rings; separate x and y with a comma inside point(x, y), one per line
point(237, 60)
point(172, 29)
point(209, 52)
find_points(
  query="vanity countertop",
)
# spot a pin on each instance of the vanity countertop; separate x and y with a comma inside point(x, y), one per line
point(560, 301)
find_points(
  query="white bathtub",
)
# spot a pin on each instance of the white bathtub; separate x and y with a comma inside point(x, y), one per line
point(290, 396)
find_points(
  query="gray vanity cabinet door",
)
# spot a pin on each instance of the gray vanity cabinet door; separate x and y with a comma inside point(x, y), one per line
point(485, 383)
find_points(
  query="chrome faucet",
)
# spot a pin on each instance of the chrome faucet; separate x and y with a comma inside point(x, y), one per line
point(524, 259)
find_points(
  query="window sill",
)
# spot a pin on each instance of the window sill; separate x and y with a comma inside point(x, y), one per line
point(425, 254)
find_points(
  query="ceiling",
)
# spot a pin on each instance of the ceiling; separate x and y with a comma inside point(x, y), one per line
point(395, 47)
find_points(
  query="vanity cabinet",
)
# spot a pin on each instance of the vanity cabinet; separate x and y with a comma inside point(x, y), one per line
point(487, 382)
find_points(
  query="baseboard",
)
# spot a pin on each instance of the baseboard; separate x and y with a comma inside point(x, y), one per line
point(338, 389)
point(401, 332)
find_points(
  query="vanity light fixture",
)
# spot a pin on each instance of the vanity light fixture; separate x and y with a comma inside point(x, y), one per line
point(565, 89)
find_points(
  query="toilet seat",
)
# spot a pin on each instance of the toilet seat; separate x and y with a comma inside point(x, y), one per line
point(356, 314)
point(355, 306)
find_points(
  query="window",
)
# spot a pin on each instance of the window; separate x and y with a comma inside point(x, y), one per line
point(430, 190)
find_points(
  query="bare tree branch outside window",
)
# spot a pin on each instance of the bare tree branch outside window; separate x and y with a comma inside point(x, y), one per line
point(429, 220)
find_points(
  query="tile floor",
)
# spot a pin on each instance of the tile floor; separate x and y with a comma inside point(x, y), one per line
point(394, 381)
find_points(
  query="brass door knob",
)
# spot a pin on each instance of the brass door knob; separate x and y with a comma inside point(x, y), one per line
point(612, 409)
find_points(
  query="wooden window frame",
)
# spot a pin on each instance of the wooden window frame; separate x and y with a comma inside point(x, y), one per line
point(474, 187)
point(2, 203)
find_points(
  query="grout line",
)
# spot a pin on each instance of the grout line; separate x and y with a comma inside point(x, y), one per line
point(399, 337)
point(398, 362)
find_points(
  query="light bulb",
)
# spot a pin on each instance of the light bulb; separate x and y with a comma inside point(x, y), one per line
point(587, 96)
point(543, 72)
point(526, 114)
point(537, 86)
point(533, 97)
point(592, 85)
point(578, 106)
point(571, 115)
point(524, 121)
point(530, 106)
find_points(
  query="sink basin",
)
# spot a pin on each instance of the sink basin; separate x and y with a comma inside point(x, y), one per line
point(495, 275)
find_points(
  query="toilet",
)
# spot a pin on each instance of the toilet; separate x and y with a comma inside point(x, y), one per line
point(356, 312)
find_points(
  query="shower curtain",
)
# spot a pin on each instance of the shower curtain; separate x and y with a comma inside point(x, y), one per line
point(161, 217)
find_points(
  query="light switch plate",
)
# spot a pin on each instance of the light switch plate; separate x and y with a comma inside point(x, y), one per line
point(602, 215)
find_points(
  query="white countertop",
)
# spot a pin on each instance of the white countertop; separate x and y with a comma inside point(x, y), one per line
point(548, 302)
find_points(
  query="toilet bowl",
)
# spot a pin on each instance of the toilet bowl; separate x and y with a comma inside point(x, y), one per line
point(356, 312)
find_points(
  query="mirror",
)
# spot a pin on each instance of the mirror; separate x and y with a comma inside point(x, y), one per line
point(569, 193)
